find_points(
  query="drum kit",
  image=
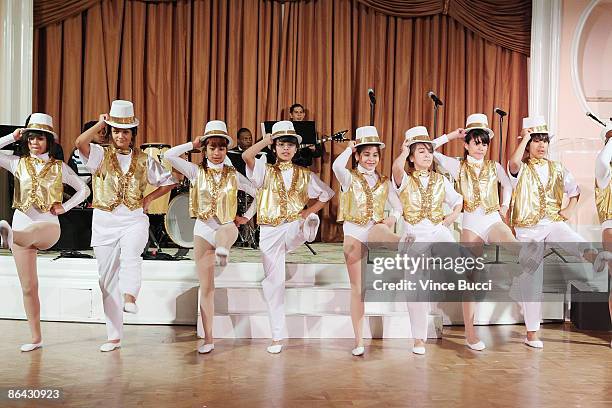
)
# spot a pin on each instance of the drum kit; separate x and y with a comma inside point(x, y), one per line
point(169, 214)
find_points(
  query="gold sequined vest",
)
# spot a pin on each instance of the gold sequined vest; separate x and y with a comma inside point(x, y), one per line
point(603, 202)
point(532, 201)
point(40, 190)
point(207, 198)
point(276, 204)
point(111, 187)
point(423, 203)
point(362, 203)
point(478, 190)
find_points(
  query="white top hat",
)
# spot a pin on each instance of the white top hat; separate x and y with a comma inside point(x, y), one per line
point(285, 128)
point(478, 121)
point(605, 131)
point(122, 115)
point(537, 124)
point(367, 135)
point(41, 122)
point(418, 134)
point(216, 128)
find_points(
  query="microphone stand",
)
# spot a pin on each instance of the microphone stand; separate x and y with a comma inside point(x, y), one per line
point(435, 130)
point(372, 106)
point(501, 139)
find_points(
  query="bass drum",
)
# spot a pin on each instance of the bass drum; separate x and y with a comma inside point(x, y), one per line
point(179, 224)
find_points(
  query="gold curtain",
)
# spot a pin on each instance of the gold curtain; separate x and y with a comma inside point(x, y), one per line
point(181, 63)
point(54, 11)
point(334, 51)
point(185, 62)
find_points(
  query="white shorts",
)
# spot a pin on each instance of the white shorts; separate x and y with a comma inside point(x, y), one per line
point(606, 224)
point(426, 231)
point(480, 223)
point(359, 232)
point(206, 229)
point(23, 220)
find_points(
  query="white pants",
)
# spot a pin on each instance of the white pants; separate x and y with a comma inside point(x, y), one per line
point(120, 270)
point(530, 285)
point(425, 234)
point(274, 243)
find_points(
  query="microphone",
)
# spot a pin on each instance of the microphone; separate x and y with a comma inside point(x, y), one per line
point(596, 119)
point(434, 98)
point(372, 96)
point(500, 112)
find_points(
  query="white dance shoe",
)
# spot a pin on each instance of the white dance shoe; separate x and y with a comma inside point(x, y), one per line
point(275, 348)
point(31, 346)
point(6, 233)
point(420, 350)
point(479, 346)
point(601, 261)
point(358, 351)
point(222, 254)
point(310, 227)
point(534, 343)
point(206, 348)
point(106, 347)
point(130, 307)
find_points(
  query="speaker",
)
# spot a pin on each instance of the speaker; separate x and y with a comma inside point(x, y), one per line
point(589, 309)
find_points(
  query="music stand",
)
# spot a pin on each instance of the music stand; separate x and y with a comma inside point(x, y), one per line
point(304, 128)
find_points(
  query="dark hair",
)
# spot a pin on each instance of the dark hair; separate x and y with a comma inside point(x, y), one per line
point(479, 136)
point(361, 148)
point(296, 105)
point(413, 146)
point(214, 141)
point(535, 137)
point(285, 139)
point(539, 137)
point(241, 131)
point(24, 151)
point(88, 125)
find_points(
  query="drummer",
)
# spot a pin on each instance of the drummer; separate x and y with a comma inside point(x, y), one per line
point(213, 201)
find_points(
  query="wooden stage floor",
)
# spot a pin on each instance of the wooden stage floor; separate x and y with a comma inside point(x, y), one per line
point(158, 367)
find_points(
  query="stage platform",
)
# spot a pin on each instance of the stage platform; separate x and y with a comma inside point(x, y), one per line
point(317, 296)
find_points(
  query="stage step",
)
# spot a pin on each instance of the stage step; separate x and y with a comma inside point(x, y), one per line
point(317, 299)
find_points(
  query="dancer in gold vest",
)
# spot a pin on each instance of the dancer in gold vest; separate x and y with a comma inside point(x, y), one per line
point(283, 191)
point(363, 197)
point(120, 226)
point(38, 196)
point(422, 193)
point(213, 201)
point(536, 214)
point(603, 195)
point(477, 179)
